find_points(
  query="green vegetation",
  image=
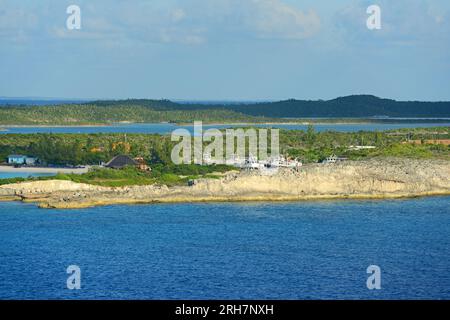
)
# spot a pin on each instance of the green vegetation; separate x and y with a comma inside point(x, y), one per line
point(312, 146)
point(150, 111)
point(14, 180)
point(91, 114)
point(129, 176)
point(110, 177)
point(308, 146)
point(169, 175)
point(356, 106)
point(86, 149)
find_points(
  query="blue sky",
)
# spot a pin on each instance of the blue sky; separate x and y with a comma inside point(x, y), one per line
point(225, 49)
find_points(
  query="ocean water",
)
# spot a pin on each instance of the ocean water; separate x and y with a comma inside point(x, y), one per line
point(166, 128)
point(302, 250)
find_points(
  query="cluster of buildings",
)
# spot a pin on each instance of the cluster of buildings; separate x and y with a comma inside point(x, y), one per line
point(117, 162)
point(252, 163)
point(247, 163)
point(18, 159)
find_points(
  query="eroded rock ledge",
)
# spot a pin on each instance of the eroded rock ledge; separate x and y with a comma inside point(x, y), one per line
point(371, 179)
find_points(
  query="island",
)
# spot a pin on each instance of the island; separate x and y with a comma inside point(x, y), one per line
point(350, 109)
point(105, 169)
point(369, 179)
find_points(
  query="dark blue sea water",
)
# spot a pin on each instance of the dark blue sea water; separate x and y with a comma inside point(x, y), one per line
point(167, 128)
point(298, 250)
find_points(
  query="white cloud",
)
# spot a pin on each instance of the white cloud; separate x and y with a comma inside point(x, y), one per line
point(16, 24)
point(403, 22)
point(178, 35)
point(257, 19)
point(275, 19)
point(189, 22)
point(178, 15)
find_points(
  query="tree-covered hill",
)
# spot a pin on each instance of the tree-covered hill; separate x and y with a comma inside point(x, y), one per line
point(145, 110)
point(102, 113)
point(357, 106)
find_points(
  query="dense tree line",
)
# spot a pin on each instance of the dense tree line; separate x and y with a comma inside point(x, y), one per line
point(309, 145)
point(79, 149)
point(350, 106)
point(135, 110)
point(77, 114)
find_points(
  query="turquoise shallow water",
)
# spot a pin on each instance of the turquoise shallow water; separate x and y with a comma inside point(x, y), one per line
point(7, 175)
point(299, 250)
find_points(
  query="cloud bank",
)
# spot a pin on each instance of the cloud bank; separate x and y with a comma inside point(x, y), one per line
point(185, 22)
point(404, 22)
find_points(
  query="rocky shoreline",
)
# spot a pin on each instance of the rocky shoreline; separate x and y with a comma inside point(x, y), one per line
point(370, 179)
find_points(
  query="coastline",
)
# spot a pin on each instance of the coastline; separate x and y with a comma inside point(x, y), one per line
point(332, 121)
point(99, 203)
point(300, 121)
point(10, 169)
point(371, 179)
point(6, 126)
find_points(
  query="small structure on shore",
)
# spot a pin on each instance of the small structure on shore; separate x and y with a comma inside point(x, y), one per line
point(192, 182)
point(18, 159)
point(120, 162)
point(271, 163)
point(253, 163)
point(357, 148)
point(141, 164)
point(283, 162)
point(333, 159)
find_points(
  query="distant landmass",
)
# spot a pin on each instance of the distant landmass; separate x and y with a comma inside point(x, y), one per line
point(355, 106)
point(7, 101)
point(146, 110)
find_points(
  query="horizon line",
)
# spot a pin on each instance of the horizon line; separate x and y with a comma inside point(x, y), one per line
point(181, 100)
